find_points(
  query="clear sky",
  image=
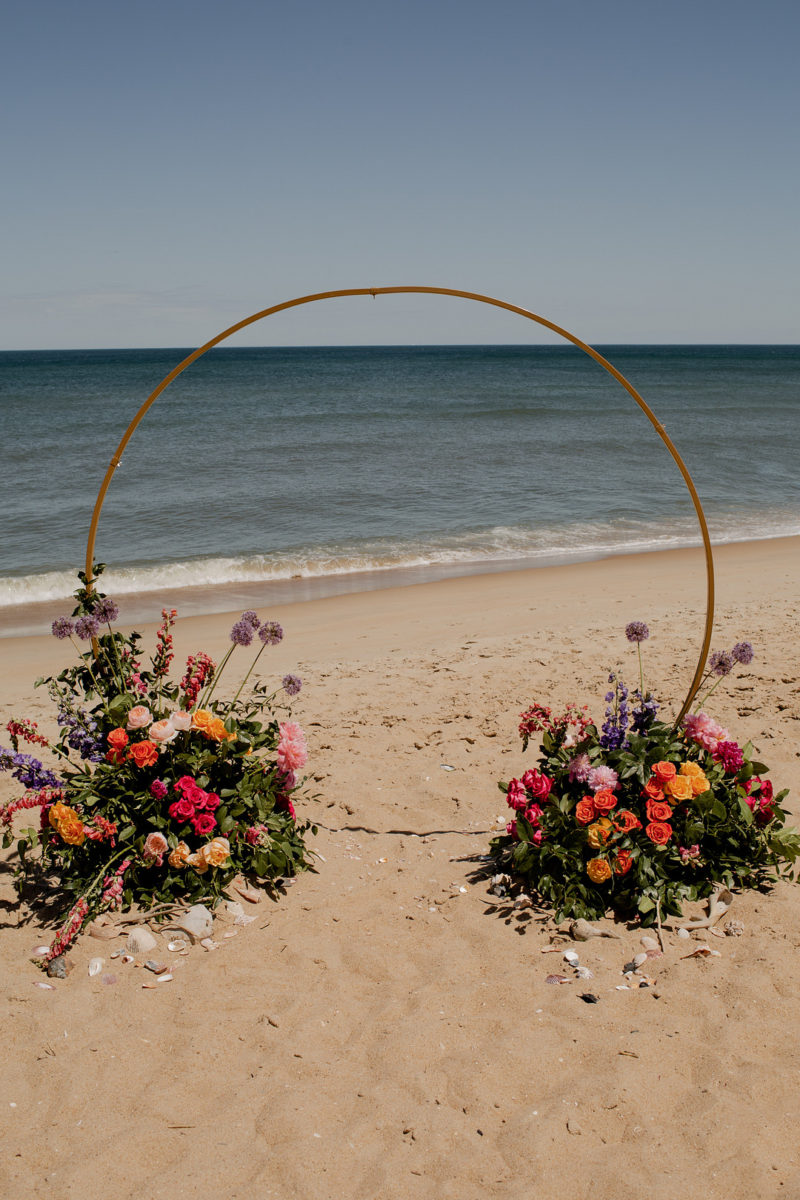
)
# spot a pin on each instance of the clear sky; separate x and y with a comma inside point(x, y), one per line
point(628, 169)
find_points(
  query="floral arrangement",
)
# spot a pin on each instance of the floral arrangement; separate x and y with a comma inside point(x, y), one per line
point(161, 791)
point(640, 816)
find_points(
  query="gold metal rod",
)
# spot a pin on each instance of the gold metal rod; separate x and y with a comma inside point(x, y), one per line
point(435, 291)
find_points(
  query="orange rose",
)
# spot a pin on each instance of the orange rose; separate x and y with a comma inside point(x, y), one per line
point(202, 719)
point(699, 784)
point(179, 856)
point(623, 862)
point(625, 821)
point(70, 829)
point(598, 870)
point(216, 851)
point(659, 832)
point(651, 791)
point(144, 754)
point(690, 768)
point(585, 810)
point(117, 739)
point(680, 788)
point(198, 863)
point(604, 800)
point(658, 811)
point(58, 812)
point(597, 835)
point(663, 772)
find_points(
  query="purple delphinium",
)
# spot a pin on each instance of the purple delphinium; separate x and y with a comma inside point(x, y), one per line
point(270, 633)
point(87, 627)
point(643, 712)
point(28, 770)
point(721, 662)
point(616, 722)
point(62, 628)
point(251, 618)
point(742, 652)
point(292, 684)
point(242, 633)
point(636, 631)
point(82, 735)
point(106, 610)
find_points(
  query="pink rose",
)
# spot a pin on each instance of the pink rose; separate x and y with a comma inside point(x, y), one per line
point(537, 784)
point(516, 795)
point(181, 810)
point(203, 823)
point(211, 801)
point(182, 721)
point(139, 717)
point(704, 730)
point(162, 732)
point(154, 849)
point(292, 750)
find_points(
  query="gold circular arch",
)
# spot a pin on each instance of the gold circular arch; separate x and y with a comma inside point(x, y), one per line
point(433, 291)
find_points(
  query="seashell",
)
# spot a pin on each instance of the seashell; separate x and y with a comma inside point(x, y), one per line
point(683, 933)
point(703, 952)
point(209, 944)
point(654, 954)
point(149, 985)
point(115, 954)
point(103, 927)
point(734, 929)
point(126, 958)
point(582, 930)
point(244, 920)
point(622, 987)
point(96, 965)
point(165, 978)
point(501, 880)
point(649, 943)
point(140, 941)
point(41, 984)
point(197, 921)
point(247, 891)
point(522, 901)
point(557, 979)
point(584, 973)
point(178, 944)
point(156, 967)
point(40, 951)
point(109, 979)
point(639, 960)
point(571, 957)
point(233, 908)
point(229, 933)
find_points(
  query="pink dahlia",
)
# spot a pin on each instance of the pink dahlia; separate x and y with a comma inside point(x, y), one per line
point(602, 777)
point(292, 750)
point(579, 768)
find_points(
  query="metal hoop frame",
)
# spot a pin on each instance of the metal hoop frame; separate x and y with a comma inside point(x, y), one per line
point(435, 291)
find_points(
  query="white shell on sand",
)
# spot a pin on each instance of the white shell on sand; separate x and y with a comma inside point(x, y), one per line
point(178, 945)
point(640, 959)
point(96, 966)
point(571, 957)
point(197, 921)
point(140, 941)
point(683, 933)
point(233, 908)
point(40, 951)
point(649, 943)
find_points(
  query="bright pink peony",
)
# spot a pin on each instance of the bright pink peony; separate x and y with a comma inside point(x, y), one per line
point(292, 750)
point(704, 730)
point(602, 777)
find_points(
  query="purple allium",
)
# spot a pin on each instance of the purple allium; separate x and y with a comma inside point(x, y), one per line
point(62, 628)
point(158, 789)
point(106, 610)
point(742, 652)
point(579, 768)
point(270, 633)
point(87, 627)
point(251, 618)
point(242, 633)
point(636, 631)
point(721, 662)
point(292, 684)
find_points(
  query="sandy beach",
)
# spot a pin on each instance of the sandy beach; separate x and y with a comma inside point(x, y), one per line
point(379, 1032)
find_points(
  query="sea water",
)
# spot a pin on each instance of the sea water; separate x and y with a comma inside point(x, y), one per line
point(275, 464)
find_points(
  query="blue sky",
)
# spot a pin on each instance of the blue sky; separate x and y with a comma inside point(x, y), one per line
point(628, 170)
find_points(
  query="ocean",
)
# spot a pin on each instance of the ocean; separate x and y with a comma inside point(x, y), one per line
point(264, 465)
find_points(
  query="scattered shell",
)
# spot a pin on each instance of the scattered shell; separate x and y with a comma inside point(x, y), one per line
point(247, 891)
point(109, 979)
point(229, 933)
point(582, 930)
point(178, 944)
point(557, 979)
point(523, 901)
point(166, 978)
point(140, 941)
point(232, 907)
point(703, 952)
point(571, 957)
point(103, 927)
point(501, 880)
point(683, 933)
point(244, 920)
point(197, 921)
point(115, 954)
point(639, 960)
point(589, 997)
point(584, 973)
point(149, 985)
point(57, 967)
point(718, 905)
point(654, 954)
point(622, 987)
point(156, 967)
point(447, 767)
point(41, 984)
point(649, 943)
point(96, 965)
point(126, 958)
point(40, 951)
point(209, 944)
point(734, 929)
point(184, 953)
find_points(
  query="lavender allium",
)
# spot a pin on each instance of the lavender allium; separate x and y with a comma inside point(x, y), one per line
point(251, 618)
point(292, 684)
point(242, 633)
point(270, 633)
point(636, 631)
point(87, 627)
point(721, 662)
point(742, 652)
point(106, 610)
point(62, 628)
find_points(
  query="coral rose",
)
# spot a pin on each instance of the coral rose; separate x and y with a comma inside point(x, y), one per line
point(154, 849)
point(680, 788)
point(139, 717)
point(604, 800)
point(585, 811)
point(144, 754)
point(598, 870)
point(58, 812)
point(658, 811)
point(162, 732)
point(117, 739)
point(625, 820)
point(659, 832)
point(623, 862)
point(216, 851)
point(652, 791)
point(699, 784)
point(597, 835)
point(663, 772)
point(202, 719)
point(179, 856)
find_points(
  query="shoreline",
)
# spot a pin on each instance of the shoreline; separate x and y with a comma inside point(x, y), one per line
point(144, 608)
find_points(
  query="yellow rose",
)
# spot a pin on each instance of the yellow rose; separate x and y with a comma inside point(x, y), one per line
point(215, 852)
point(202, 719)
point(70, 829)
point(179, 856)
point(598, 870)
point(680, 788)
point(690, 768)
point(597, 834)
